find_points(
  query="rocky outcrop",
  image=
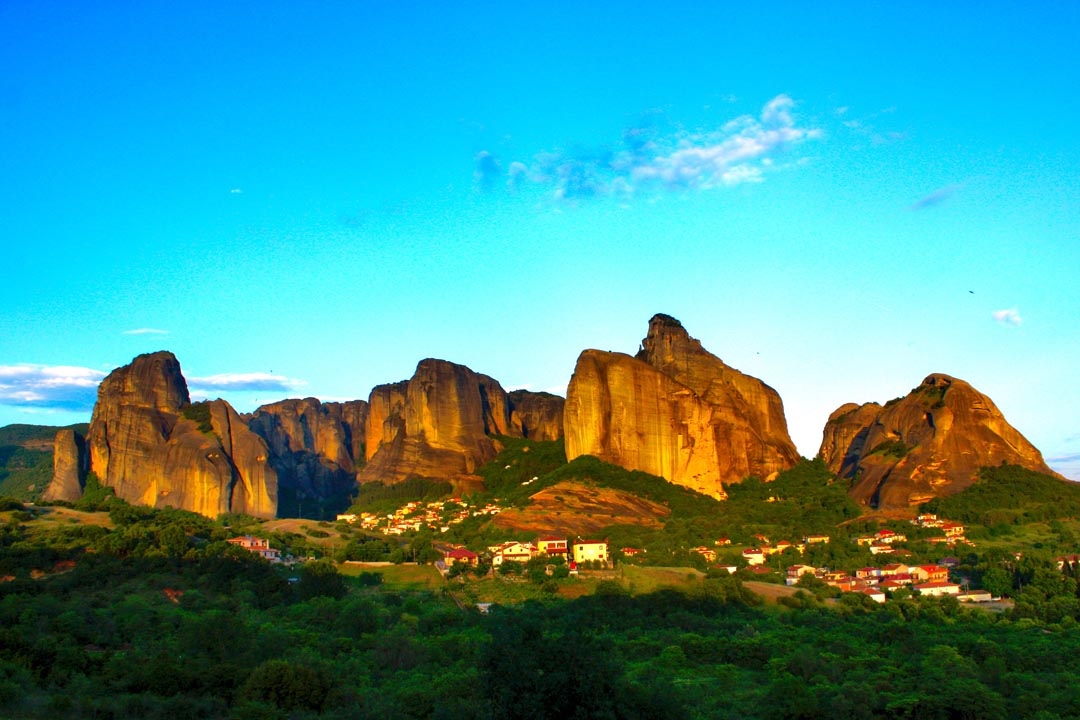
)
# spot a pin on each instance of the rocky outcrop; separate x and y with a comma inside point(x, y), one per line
point(315, 449)
point(536, 415)
point(70, 462)
point(153, 447)
point(303, 457)
point(677, 411)
point(438, 425)
point(386, 415)
point(931, 442)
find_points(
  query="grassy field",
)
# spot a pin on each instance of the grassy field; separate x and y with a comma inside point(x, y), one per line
point(770, 591)
point(305, 527)
point(67, 516)
point(399, 577)
point(640, 580)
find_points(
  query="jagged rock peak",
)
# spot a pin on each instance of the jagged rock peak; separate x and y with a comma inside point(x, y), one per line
point(153, 380)
point(928, 443)
point(677, 411)
point(141, 444)
point(438, 425)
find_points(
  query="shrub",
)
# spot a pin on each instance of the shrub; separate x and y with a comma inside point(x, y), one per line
point(200, 413)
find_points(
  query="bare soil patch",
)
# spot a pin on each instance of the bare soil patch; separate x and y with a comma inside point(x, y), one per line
point(574, 508)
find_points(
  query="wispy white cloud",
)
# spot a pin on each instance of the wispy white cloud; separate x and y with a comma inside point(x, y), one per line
point(243, 382)
point(236, 191)
point(1068, 464)
point(145, 331)
point(741, 150)
point(935, 198)
point(56, 387)
point(868, 126)
point(1010, 317)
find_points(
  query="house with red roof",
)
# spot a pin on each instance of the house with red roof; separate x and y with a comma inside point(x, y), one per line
point(553, 545)
point(874, 594)
point(706, 552)
point(754, 556)
point(512, 551)
point(257, 545)
point(937, 589)
point(795, 572)
point(462, 556)
point(929, 573)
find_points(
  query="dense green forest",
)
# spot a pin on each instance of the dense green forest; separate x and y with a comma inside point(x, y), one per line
point(1010, 495)
point(155, 616)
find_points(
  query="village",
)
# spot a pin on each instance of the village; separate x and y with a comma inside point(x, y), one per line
point(413, 516)
point(577, 554)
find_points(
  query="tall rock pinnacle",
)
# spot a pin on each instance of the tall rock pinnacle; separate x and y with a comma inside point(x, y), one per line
point(142, 445)
point(677, 411)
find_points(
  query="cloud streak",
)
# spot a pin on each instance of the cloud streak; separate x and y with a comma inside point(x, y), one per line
point(145, 331)
point(244, 382)
point(74, 389)
point(44, 387)
point(1010, 317)
point(935, 198)
point(743, 150)
point(1067, 464)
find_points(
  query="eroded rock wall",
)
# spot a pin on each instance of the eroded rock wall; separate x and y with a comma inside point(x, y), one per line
point(677, 411)
point(931, 442)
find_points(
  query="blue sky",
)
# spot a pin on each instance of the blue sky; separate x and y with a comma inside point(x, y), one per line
point(308, 199)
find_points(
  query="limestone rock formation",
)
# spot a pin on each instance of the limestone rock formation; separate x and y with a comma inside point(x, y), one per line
point(70, 461)
point(931, 442)
point(153, 447)
point(677, 411)
point(315, 449)
point(438, 425)
point(536, 415)
point(386, 415)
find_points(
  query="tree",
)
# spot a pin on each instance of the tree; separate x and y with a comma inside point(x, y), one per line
point(320, 578)
point(997, 581)
point(287, 686)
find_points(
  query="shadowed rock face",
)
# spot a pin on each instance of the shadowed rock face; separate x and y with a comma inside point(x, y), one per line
point(931, 442)
point(140, 444)
point(677, 411)
point(314, 448)
point(536, 416)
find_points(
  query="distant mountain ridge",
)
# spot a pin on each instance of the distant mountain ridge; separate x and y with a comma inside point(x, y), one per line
point(673, 410)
